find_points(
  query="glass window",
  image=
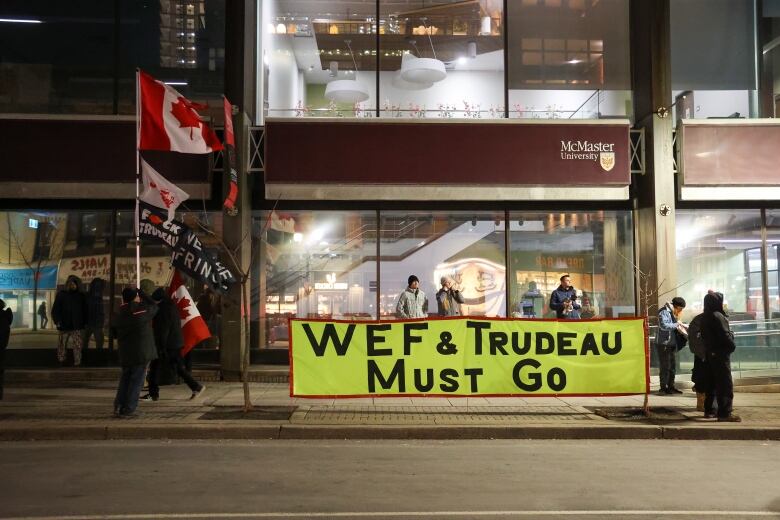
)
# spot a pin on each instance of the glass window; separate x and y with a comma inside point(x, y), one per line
point(38, 252)
point(720, 250)
point(174, 46)
point(57, 57)
point(319, 58)
point(569, 59)
point(465, 39)
point(313, 264)
point(713, 58)
point(594, 248)
point(773, 255)
point(468, 246)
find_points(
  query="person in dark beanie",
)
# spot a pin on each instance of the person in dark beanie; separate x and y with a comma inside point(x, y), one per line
point(667, 343)
point(69, 313)
point(6, 318)
point(169, 341)
point(133, 331)
point(412, 303)
point(719, 343)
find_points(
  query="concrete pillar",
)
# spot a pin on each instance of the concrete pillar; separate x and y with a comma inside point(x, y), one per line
point(654, 193)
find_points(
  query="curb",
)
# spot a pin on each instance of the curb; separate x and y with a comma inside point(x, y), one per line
point(161, 431)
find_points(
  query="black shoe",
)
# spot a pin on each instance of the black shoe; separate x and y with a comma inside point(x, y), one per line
point(730, 418)
point(149, 397)
point(673, 390)
point(128, 415)
point(663, 391)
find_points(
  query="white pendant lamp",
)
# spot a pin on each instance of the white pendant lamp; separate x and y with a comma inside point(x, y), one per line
point(346, 91)
point(422, 70)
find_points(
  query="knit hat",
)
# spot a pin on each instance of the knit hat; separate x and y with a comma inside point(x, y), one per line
point(128, 294)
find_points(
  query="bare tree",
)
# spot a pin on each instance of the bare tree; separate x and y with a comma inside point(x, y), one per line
point(648, 294)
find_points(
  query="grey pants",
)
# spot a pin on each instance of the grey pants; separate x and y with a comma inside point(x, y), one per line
point(667, 360)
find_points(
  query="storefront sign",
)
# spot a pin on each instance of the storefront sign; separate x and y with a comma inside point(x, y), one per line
point(465, 356)
point(87, 268)
point(506, 153)
point(24, 278)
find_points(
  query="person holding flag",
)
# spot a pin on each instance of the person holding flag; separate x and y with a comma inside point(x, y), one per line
point(169, 339)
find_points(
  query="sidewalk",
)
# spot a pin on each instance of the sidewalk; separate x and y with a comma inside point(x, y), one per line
point(83, 412)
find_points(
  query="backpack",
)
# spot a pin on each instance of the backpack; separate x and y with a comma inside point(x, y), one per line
point(695, 340)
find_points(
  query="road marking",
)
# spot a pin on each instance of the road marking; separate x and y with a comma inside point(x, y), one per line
point(398, 514)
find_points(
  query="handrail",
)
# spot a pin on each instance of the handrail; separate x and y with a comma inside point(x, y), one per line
point(585, 103)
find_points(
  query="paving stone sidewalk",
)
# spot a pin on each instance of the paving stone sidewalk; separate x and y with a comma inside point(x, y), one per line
point(84, 412)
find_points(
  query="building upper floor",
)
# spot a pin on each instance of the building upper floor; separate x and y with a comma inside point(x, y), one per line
point(487, 59)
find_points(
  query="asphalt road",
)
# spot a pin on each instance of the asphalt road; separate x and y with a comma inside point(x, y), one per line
point(390, 479)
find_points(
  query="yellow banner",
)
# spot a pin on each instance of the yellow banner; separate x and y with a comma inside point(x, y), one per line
point(468, 357)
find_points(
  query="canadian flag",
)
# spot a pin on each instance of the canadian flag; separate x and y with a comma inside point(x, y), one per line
point(160, 192)
point(193, 326)
point(170, 122)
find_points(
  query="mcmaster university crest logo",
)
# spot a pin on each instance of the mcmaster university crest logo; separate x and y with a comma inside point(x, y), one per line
point(604, 153)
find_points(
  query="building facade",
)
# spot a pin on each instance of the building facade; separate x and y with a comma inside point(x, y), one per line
point(627, 143)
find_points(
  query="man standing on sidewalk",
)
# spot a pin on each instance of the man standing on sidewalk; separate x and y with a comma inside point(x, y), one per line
point(133, 326)
point(169, 341)
point(69, 313)
point(666, 343)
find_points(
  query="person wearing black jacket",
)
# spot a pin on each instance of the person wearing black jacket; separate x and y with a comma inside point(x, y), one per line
point(719, 341)
point(95, 313)
point(133, 331)
point(169, 340)
point(563, 300)
point(69, 313)
point(6, 318)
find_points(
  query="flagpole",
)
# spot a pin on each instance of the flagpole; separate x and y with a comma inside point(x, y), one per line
point(137, 176)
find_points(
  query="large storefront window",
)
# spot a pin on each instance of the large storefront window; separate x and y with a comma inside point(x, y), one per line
point(569, 59)
point(720, 250)
point(313, 264)
point(39, 250)
point(469, 247)
point(595, 249)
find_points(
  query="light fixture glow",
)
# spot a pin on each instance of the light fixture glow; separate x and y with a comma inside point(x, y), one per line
point(346, 91)
point(422, 70)
point(176, 83)
point(19, 20)
point(462, 60)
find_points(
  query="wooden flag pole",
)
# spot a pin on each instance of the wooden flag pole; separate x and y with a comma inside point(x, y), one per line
point(137, 177)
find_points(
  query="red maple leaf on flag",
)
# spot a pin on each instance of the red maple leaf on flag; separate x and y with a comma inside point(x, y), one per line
point(183, 305)
point(154, 219)
point(182, 110)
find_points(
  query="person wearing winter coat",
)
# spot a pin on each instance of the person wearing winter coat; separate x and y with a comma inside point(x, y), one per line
point(719, 341)
point(6, 318)
point(42, 315)
point(666, 343)
point(168, 340)
point(69, 314)
point(133, 331)
point(563, 300)
point(448, 298)
point(96, 315)
point(412, 303)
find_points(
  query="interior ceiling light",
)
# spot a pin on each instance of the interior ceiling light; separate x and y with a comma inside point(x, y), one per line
point(422, 70)
point(346, 90)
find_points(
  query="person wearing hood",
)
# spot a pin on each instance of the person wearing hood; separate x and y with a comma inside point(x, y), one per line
point(96, 315)
point(448, 298)
point(6, 318)
point(666, 343)
point(133, 332)
point(69, 313)
point(412, 303)
point(168, 340)
point(719, 341)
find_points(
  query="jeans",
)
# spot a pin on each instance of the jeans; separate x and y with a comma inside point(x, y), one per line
point(667, 360)
point(177, 363)
point(130, 384)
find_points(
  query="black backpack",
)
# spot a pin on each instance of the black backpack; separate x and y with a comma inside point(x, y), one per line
point(695, 340)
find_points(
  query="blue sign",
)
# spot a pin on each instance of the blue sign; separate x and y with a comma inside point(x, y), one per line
point(23, 278)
